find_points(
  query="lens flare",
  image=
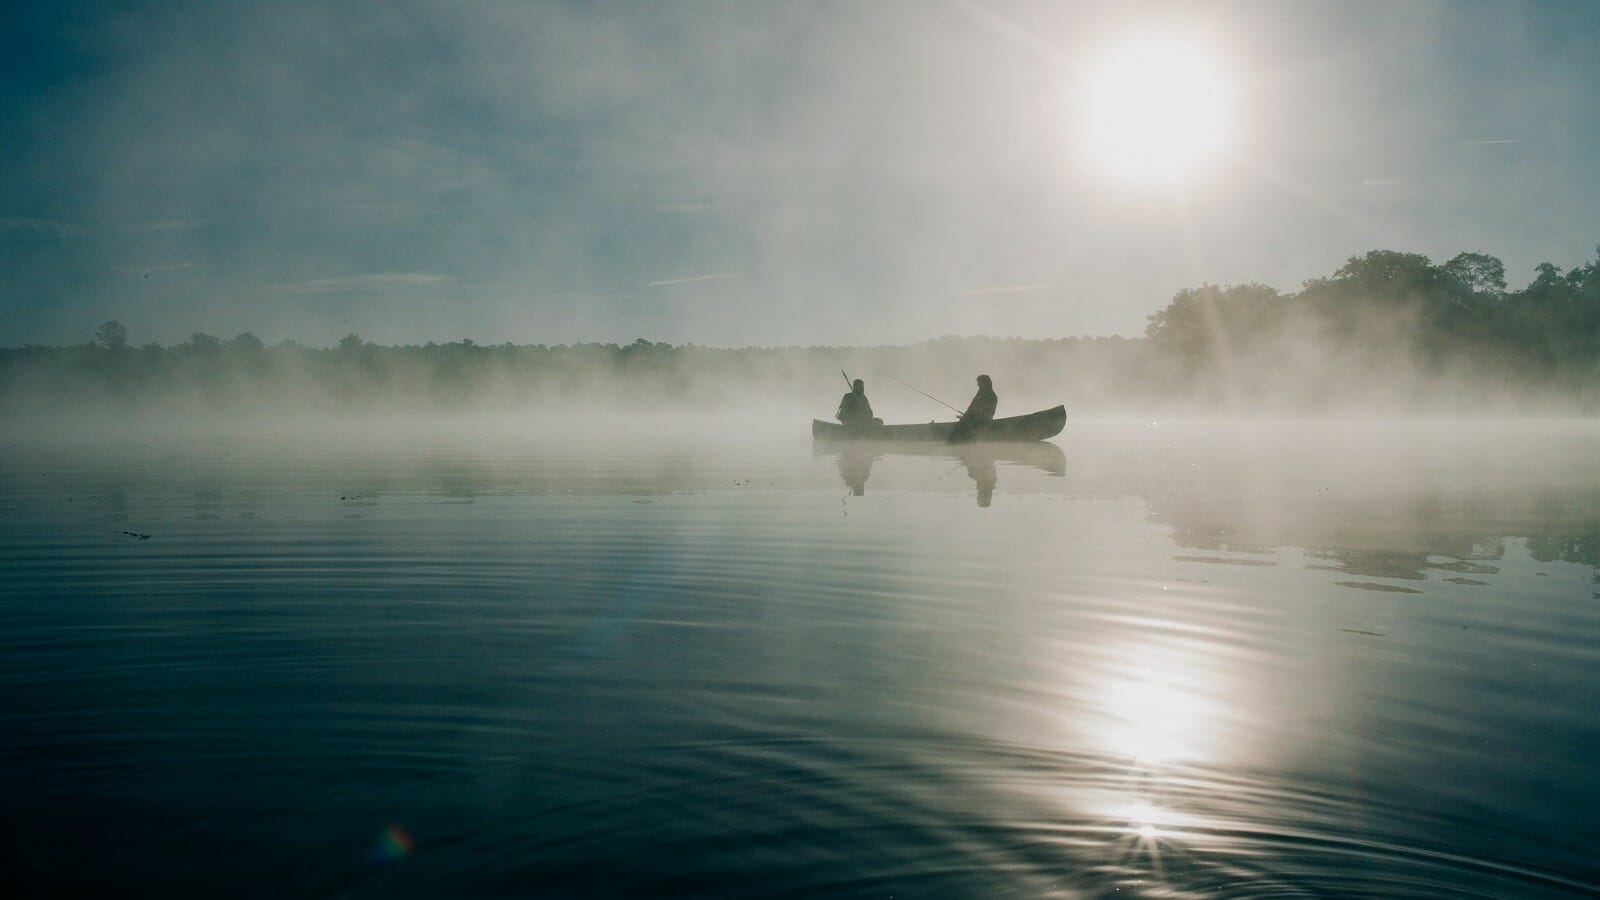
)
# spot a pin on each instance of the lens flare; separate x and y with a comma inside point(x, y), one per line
point(393, 845)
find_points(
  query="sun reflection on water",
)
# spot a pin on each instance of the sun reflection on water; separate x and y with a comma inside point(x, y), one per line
point(1158, 716)
point(1156, 713)
point(1137, 847)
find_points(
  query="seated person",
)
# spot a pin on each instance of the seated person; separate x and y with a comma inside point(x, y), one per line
point(980, 412)
point(854, 410)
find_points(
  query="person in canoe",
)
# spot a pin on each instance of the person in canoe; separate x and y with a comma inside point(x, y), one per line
point(854, 411)
point(980, 412)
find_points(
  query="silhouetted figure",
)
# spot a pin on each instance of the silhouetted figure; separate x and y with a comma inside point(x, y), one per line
point(855, 465)
point(854, 410)
point(980, 412)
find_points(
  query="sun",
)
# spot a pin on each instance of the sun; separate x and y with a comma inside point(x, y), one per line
point(1156, 109)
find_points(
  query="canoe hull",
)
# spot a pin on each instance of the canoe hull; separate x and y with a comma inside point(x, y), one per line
point(1038, 426)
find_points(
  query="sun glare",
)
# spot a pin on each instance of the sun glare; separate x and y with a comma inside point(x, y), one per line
point(1154, 720)
point(1156, 109)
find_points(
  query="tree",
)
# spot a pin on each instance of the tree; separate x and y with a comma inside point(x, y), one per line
point(112, 335)
point(1200, 322)
point(245, 341)
point(205, 343)
point(1548, 285)
point(1479, 272)
point(350, 343)
point(1388, 273)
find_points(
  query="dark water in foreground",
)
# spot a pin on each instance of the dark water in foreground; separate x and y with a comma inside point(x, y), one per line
point(1297, 660)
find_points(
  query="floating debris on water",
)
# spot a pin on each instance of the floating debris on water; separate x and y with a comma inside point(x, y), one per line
point(1375, 586)
point(1467, 567)
point(1225, 561)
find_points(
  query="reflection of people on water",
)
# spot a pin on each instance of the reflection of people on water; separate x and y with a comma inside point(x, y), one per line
point(854, 410)
point(980, 411)
point(981, 467)
point(855, 465)
point(855, 460)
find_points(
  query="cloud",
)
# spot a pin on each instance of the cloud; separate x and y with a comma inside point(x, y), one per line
point(685, 208)
point(158, 268)
point(1001, 290)
point(720, 276)
point(159, 225)
point(368, 281)
point(26, 229)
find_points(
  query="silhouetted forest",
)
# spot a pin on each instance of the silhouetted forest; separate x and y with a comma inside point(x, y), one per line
point(1388, 331)
point(1392, 328)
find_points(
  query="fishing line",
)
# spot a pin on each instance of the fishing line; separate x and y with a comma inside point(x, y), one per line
point(924, 393)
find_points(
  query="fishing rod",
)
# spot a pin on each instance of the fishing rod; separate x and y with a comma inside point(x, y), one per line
point(925, 394)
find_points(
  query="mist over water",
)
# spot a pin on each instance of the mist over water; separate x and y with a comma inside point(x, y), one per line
point(406, 487)
point(1152, 659)
point(1387, 333)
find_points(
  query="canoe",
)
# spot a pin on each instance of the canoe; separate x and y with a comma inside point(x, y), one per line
point(1038, 426)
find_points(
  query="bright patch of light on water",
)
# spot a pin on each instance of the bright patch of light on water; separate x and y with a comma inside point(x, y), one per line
point(1156, 713)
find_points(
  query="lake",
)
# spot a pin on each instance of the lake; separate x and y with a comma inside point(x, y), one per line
point(1148, 659)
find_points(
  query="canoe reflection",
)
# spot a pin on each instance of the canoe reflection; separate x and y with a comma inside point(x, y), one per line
point(856, 460)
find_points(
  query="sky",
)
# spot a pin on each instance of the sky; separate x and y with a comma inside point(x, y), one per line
point(747, 173)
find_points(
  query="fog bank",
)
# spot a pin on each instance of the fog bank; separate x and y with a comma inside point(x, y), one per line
point(1387, 333)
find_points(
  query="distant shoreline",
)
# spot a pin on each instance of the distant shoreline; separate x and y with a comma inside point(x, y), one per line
point(1387, 332)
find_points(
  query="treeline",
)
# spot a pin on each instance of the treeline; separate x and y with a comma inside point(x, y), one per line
point(208, 373)
point(1388, 331)
point(1390, 327)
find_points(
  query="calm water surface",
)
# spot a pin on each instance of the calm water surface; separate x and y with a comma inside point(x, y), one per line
point(1176, 661)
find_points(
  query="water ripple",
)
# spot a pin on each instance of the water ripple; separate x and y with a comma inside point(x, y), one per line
point(731, 692)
